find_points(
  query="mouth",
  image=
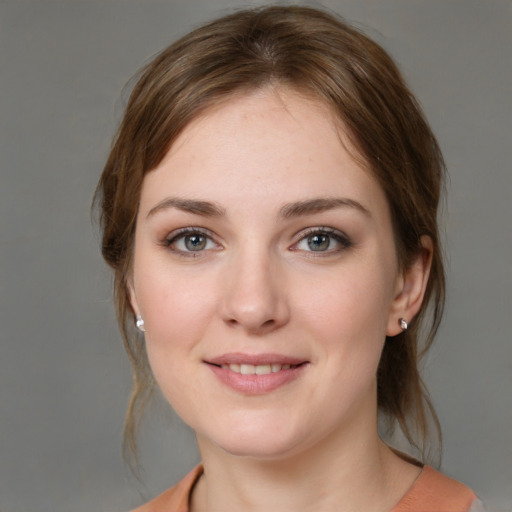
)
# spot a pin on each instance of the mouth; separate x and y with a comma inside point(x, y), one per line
point(260, 369)
point(256, 374)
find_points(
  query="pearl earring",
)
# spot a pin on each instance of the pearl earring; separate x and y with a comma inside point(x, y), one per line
point(139, 322)
point(403, 324)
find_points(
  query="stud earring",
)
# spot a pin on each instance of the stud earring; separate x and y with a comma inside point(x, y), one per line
point(403, 324)
point(139, 322)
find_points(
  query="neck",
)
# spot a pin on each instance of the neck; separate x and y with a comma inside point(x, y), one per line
point(347, 471)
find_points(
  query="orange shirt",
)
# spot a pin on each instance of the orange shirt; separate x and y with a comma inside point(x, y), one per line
point(432, 492)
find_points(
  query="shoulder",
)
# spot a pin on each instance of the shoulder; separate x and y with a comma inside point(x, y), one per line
point(176, 498)
point(435, 492)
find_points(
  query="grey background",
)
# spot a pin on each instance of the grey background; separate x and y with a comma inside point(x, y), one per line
point(64, 380)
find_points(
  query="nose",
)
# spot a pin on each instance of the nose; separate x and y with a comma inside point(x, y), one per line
point(254, 298)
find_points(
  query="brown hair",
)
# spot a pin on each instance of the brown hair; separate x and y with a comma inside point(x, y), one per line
point(318, 54)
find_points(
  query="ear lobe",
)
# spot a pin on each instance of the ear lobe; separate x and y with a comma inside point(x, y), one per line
point(411, 288)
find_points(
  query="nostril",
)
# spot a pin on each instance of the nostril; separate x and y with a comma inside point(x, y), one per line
point(257, 309)
point(261, 327)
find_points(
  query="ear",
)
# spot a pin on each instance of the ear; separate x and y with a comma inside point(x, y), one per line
point(132, 296)
point(410, 290)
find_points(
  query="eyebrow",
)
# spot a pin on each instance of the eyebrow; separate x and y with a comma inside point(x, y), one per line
point(203, 208)
point(289, 210)
point(320, 205)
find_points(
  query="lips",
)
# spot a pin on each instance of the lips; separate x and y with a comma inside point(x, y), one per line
point(254, 359)
point(260, 369)
point(256, 374)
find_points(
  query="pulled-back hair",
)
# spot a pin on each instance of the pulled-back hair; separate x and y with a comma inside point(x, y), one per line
point(315, 53)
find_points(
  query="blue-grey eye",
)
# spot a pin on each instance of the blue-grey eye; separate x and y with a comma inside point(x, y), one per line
point(195, 242)
point(192, 242)
point(319, 242)
point(323, 241)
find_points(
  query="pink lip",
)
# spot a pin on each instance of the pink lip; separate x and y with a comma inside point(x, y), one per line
point(255, 384)
point(254, 359)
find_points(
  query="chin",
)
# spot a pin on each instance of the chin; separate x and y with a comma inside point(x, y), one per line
point(259, 441)
point(262, 449)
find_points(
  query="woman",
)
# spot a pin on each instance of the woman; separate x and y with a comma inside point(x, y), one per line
point(269, 208)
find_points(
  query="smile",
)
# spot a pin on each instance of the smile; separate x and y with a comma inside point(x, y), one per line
point(260, 369)
point(256, 374)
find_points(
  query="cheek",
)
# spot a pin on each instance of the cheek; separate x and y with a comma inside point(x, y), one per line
point(176, 317)
point(174, 305)
point(177, 310)
point(352, 303)
point(346, 316)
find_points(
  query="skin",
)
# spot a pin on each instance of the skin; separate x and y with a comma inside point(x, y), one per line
point(257, 286)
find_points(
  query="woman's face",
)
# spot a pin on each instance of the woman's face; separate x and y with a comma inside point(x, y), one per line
point(266, 274)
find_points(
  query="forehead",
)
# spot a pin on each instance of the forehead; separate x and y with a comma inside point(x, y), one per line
point(275, 105)
point(268, 140)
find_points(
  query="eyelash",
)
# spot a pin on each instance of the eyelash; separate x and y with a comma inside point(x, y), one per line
point(174, 237)
point(333, 234)
point(341, 238)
